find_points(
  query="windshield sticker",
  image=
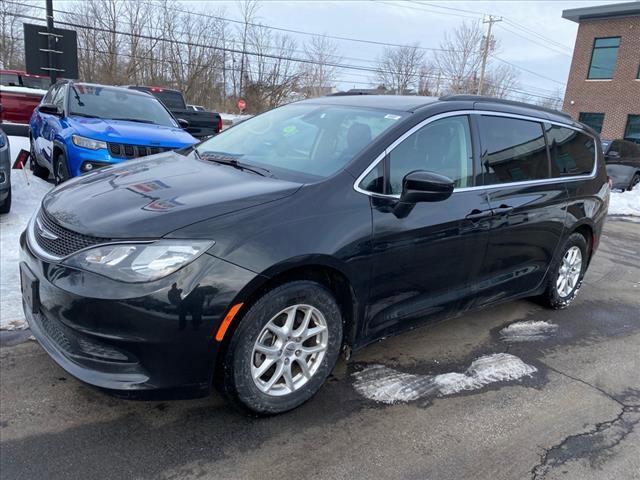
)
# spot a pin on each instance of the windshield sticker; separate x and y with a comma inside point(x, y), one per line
point(289, 130)
point(392, 117)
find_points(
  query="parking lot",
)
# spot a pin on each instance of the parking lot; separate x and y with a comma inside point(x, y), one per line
point(574, 415)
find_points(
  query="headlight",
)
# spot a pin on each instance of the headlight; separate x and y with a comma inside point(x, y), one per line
point(139, 262)
point(89, 143)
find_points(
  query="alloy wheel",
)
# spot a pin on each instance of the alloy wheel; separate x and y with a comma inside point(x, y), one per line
point(569, 273)
point(289, 350)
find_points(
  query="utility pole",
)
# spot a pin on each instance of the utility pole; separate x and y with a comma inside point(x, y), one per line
point(51, 43)
point(485, 53)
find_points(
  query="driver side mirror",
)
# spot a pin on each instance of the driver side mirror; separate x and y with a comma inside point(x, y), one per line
point(183, 123)
point(50, 109)
point(424, 186)
point(613, 154)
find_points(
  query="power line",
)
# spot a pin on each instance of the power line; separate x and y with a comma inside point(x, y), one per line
point(300, 32)
point(245, 52)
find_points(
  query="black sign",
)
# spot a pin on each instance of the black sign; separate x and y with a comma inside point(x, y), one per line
point(65, 51)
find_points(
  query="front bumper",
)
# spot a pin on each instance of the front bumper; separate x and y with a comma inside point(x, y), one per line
point(133, 337)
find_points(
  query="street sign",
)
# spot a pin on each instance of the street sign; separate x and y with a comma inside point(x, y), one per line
point(242, 104)
point(64, 52)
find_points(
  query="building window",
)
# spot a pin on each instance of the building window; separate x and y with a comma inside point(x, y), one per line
point(632, 132)
point(603, 57)
point(594, 120)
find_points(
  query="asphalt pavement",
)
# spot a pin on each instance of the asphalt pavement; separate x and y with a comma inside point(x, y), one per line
point(575, 417)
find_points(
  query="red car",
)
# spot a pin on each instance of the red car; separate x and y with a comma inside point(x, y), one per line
point(21, 93)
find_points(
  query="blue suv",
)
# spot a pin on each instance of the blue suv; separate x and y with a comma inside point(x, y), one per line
point(80, 126)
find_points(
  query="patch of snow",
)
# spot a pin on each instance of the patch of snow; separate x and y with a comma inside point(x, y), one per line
point(527, 331)
point(15, 145)
point(625, 203)
point(27, 192)
point(386, 385)
point(33, 91)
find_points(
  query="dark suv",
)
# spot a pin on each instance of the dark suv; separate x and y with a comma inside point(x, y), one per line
point(623, 163)
point(250, 260)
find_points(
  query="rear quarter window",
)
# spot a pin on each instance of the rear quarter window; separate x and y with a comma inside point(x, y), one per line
point(513, 150)
point(572, 152)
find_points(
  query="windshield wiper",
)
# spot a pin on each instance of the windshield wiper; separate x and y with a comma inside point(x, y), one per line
point(86, 115)
point(232, 160)
point(134, 120)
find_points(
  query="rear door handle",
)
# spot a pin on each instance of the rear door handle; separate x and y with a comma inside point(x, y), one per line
point(503, 209)
point(479, 214)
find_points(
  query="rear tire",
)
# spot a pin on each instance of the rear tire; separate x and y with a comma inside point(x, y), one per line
point(60, 169)
point(634, 181)
point(38, 170)
point(567, 272)
point(5, 207)
point(294, 368)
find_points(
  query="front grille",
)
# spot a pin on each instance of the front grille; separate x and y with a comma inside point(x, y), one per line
point(125, 150)
point(66, 241)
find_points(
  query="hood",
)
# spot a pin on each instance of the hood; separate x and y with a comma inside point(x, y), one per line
point(153, 196)
point(135, 133)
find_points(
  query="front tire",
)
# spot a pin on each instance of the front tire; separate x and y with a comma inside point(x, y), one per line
point(567, 272)
point(38, 170)
point(61, 169)
point(284, 348)
point(634, 181)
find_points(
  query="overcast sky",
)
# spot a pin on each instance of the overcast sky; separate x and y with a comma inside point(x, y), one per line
point(424, 21)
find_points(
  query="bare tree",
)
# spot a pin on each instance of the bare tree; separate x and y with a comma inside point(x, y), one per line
point(11, 41)
point(271, 74)
point(554, 101)
point(460, 60)
point(317, 77)
point(430, 80)
point(399, 68)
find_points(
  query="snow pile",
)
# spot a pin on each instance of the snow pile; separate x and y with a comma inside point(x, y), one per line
point(27, 193)
point(625, 203)
point(386, 385)
point(527, 331)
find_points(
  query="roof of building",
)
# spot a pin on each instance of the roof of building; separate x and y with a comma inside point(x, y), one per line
point(602, 11)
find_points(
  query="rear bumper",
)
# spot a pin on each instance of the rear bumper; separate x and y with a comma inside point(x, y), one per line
point(133, 337)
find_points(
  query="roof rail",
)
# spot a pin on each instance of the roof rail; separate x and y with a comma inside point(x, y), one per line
point(481, 98)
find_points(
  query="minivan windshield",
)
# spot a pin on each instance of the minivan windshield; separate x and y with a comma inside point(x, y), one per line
point(117, 104)
point(308, 139)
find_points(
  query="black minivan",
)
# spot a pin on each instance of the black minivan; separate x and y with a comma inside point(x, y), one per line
point(251, 260)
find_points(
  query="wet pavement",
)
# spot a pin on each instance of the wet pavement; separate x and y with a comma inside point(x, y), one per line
point(573, 412)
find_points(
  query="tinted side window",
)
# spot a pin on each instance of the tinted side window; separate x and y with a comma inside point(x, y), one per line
point(58, 97)
point(443, 147)
point(572, 152)
point(9, 79)
point(374, 180)
point(48, 98)
point(513, 150)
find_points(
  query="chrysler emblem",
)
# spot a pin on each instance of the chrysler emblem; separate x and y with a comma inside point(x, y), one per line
point(44, 232)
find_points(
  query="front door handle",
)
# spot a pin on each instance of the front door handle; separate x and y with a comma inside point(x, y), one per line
point(503, 209)
point(479, 214)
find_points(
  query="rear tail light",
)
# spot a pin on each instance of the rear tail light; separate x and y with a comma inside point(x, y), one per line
point(219, 124)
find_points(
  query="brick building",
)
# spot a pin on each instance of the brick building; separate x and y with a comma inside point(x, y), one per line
point(603, 90)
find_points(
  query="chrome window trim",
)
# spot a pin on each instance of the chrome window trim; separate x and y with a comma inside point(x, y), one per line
point(412, 130)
